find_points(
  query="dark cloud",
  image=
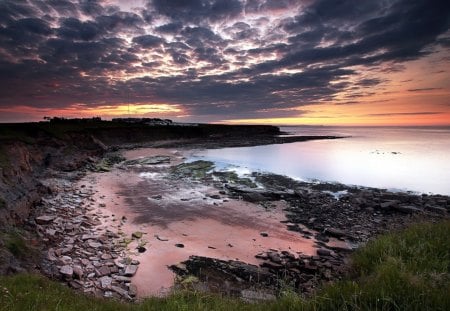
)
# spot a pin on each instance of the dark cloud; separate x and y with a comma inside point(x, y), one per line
point(196, 11)
point(393, 114)
point(425, 89)
point(148, 41)
point(215, 57)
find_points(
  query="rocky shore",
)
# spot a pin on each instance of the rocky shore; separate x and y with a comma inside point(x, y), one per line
point(337, 217)
point(85, 243)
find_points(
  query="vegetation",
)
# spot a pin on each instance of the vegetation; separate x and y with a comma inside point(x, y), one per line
point(16, 244)
point(408, 270)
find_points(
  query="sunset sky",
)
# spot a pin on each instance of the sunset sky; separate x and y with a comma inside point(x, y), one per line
point(325, 62)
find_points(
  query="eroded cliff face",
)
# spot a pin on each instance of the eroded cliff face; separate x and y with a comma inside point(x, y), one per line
point(24, 166)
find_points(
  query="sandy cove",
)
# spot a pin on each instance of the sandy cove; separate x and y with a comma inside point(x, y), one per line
point(179, 219)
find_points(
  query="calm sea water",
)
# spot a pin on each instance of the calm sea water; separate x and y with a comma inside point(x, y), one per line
point(397, 158)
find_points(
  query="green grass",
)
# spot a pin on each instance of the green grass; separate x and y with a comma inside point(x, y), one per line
point(408, 270)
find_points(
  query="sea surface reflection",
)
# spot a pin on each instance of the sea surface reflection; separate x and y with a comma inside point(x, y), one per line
point(397, 158)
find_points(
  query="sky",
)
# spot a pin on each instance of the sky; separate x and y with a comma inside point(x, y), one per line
point(283, 62)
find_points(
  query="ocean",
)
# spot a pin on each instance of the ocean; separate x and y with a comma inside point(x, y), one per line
point(413, 159)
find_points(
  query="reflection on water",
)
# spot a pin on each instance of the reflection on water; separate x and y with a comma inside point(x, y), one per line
point(415, 159)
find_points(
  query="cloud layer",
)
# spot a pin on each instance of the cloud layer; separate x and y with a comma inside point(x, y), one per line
point(218, 59)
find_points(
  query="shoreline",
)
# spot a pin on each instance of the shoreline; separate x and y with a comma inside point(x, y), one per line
point(380, 211)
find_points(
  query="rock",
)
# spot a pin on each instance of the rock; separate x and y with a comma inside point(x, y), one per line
point(253, 197)
point(436, 209)
point(274, 257)
point(161, 238)
point(89, 237)
point(102, 271)
point(215, 196)
point(78, 272)
point(76, 284)
point(137, 235)
point(119, 263)
point(106, 256)
point(95, 244)
point(122, 292)
point(179, 245)
point(408, 209)
point(51, 255)
point(154, 160)
point(132, 290)
point(323, 252)
point(66, 271)
point(45, 219)
point(121, 278)
point(156, 197)
point(335, 232)
point(141, 249)
point(388, 204)
point(130, 270)
point(64, 260)
point(105, 282)
point(264, 234)
point(272, 265)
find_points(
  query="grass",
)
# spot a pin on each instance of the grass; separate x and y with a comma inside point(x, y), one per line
point(407, 270)
point(16, 244)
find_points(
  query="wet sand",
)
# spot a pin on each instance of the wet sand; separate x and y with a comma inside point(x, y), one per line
point(177, 211)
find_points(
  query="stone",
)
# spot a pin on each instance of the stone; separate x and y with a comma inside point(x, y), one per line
point(137, 235)
point(335, 232)
point(51, 255)
point(141, 249)
point(95, 244)
point(408, 209)
point(264, 234)
point(66, 271)
point(76, 284)
point(103, 270)
point(119, 263)
point(106, 256)
point(105, 282)
point(121, 278)
point(89, 237)
point(132, 290)
point(388, 204)
point(130, 270)
point(179, 245)
point(122, 292)
point(64, 260)
point(323, 252)
point(45, 219)
point(274, 257)
point(78, 272)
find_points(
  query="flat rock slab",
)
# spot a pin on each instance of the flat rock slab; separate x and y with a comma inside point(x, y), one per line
point(130, 270)
point(45, 219)
point(66, 270)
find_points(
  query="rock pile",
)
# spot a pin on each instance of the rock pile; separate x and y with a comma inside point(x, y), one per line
point(88, 256)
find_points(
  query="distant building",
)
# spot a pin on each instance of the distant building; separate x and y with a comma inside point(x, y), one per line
point(146, 121)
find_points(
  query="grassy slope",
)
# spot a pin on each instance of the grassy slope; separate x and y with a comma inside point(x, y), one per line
point(409, 270)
